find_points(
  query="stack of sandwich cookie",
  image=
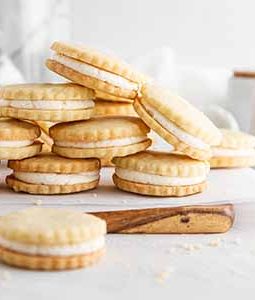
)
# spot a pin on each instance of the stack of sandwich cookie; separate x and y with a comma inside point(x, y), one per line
point(50, 174)
point(95, 70)
point(51, 239)
point(236, 150)
point(160, 174)
point(18, 139)
point(47, 102)
point(187, 129)
point(100, 137)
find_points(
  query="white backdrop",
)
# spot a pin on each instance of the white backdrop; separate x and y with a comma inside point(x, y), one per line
point(203, 32)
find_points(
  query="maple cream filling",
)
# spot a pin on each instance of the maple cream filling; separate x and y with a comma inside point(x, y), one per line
point(76, 249)
point(56, 179)
point(172, 128)
point(153, 179)
point(48, 104)
point(97, 73)
point(102, 144)
point(16, 144)
point(225, 152)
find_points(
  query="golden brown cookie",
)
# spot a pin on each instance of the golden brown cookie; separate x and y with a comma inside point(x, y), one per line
point(95, 70)
point(100, 137)
point(50, 174)
point(47, 102)
point(111, 109)
point(112, 98)
point(160, 174)
point(51, 239)
point(236, 150)
point(178, 122)
point(18, 139)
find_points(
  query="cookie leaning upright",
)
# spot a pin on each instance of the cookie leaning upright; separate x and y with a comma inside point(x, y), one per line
point(236, 150)
point(100, 137)
point(160, 174)
point(47, 102)
point(18, 139)
point(177, 121)
point(94, 69)
point(50, 174)
point(51, 239)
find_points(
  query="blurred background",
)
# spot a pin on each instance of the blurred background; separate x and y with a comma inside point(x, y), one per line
point(192, 47)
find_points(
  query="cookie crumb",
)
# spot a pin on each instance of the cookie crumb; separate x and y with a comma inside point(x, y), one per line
point(37, 202)
point(214, 243)
point(191, 247)
point(95, 195)
point(162, 276)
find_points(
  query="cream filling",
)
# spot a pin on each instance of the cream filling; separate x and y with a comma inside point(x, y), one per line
point(157, 179)
point(15, 144)
point(225, 152)
point(179, 133)
point(97, 73)
point(102, 144)
point(77, 249)
point(48, 104)
point(56, 179)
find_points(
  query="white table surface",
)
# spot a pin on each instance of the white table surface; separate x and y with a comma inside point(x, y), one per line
point(152, 266)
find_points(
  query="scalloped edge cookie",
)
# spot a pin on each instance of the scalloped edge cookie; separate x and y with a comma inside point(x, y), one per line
point(156, 190)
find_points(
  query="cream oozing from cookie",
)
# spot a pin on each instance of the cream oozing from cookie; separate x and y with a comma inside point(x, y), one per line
point(48, 104)
point(227, 152)
point(153, 179)
point(94, 72)
point(16, 144)
point(56, 179)
point(176, 131)
point(102, 144)
point(68, 250)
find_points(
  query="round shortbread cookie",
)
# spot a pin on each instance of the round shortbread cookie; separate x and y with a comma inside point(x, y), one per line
point(47, 115)
point(50, 163)
point(106, 73)
point(49, 263)
point(7, 153)
point(88, 81)
point(17, 130)
point(50, 174)
point(236, 150)
point(156, 190)
point(99, 129)
point(112, 98)
point(51, 239)
point(160, 174)
point(102, 153)
point(111, 109)
point(183, 126)
point(43, 189)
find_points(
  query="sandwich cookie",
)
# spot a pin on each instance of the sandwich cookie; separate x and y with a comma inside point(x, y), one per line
point(100, 137)
point(237, 150)
point(50, 174)
point(18, 139)
point(95, 70)
point(47, 102)
point(178, 122)
point(51, 239)
point(112, 109)
point(160, 174)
